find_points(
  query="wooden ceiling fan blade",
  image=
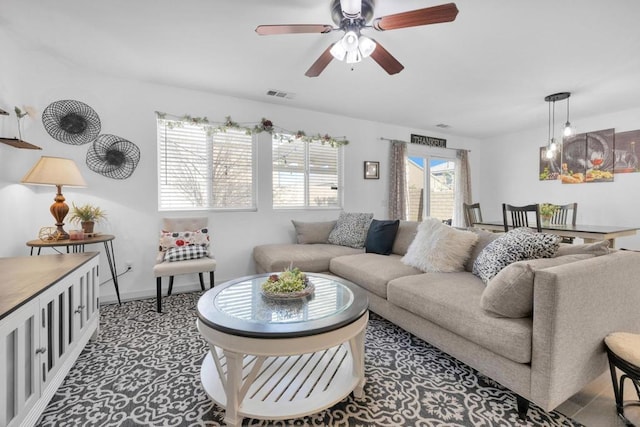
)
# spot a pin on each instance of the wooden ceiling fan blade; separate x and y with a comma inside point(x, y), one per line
point(414, 18)
point(386, 60)
point(320, 64)
point(270, 30)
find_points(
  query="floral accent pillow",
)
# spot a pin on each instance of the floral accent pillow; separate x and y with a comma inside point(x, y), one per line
point(176, 239)
point(184, 253)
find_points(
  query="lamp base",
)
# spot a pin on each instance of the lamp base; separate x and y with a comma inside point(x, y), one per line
point(59, 209)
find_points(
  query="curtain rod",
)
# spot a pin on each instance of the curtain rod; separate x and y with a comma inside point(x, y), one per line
point(443, 148)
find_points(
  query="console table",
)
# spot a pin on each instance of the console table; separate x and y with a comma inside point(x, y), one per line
point(78, 246)
point(48, 312)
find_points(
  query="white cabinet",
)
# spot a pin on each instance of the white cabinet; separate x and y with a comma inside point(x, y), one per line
point(48, 312)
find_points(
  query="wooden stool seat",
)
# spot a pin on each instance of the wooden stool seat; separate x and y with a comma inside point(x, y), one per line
point(623, 350)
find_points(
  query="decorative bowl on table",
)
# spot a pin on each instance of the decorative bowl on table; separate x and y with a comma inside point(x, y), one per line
point(290, 284)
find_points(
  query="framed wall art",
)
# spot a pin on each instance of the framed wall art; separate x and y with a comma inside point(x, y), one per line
point(371, 170)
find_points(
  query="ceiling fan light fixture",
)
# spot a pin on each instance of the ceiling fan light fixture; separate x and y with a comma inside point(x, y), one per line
point(367, 46)
point(338, 51)
point(353, 57)
point(350, 41)
point(351, 8)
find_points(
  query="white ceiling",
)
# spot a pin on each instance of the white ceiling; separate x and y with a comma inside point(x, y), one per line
point(484, 74)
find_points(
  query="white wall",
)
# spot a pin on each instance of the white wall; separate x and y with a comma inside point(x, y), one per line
point(509, 174)
point(126, 108)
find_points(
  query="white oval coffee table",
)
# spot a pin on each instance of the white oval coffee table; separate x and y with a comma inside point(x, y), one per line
point(273, 359)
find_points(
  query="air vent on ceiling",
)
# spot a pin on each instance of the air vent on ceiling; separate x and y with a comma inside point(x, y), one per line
point(280, 94)
point(442, 125)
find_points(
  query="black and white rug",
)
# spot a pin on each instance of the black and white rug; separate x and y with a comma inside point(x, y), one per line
point(144, 370)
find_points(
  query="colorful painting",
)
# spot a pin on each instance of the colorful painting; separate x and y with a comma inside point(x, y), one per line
point(588, 157)
point(625, 152)
point(549, 168)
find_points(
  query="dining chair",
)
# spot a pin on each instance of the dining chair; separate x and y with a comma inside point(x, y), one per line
point(164, 267)
point(562, 215)
point(472, 213)
point(520, 216)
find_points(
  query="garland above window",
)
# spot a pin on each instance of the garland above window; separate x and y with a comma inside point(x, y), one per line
point(264, 125)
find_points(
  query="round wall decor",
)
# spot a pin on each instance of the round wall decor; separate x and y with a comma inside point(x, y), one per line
point(71, 122)
point(113, 156)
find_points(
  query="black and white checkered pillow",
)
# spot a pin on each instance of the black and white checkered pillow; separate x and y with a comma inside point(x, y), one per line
point(184, 253)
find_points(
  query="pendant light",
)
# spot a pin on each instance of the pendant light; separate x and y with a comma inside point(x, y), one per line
point(568, 130)
point(552, 146)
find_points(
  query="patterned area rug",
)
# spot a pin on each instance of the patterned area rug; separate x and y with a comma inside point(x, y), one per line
point(144, 370)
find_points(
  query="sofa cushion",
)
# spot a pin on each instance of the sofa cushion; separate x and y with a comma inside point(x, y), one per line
point(313, 232)
point(452, 301)
point(350, 229)
point(438, 247)
point(484, 238)
point(510, 292)
point(597, 248)
point(371, 271)
point(380, 236)
point(515, 245)
point(313, 258)
point(406, 233)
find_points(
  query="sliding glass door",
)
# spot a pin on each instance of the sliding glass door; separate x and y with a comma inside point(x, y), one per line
point(432, 187)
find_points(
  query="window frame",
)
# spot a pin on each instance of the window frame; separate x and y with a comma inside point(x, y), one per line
point(286, 138)
point(209, 140)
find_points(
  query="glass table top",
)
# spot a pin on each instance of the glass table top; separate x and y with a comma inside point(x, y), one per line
point(240, 308)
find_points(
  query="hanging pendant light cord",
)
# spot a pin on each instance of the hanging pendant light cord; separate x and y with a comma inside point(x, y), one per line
point(549, 128)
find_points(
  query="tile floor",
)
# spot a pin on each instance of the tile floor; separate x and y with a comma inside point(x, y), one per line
point(594, 405)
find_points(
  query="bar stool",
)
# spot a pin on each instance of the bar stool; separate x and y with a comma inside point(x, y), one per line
point(623, 350)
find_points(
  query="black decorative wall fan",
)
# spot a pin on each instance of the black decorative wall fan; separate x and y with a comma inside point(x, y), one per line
point(354, 16)
point(71, 122)
point(113, 157)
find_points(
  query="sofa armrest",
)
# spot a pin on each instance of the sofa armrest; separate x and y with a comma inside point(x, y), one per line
point(575, 306)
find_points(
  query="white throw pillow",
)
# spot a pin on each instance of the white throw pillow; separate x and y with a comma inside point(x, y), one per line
point(438, 247)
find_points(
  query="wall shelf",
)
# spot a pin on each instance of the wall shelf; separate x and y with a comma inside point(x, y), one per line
point(15, 142)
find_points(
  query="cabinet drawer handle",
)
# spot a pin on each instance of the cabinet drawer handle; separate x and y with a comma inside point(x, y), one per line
point(41, 350)
point(79, 309)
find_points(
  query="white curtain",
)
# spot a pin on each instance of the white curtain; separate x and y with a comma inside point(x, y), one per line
point(463, 187)
point(398, 181)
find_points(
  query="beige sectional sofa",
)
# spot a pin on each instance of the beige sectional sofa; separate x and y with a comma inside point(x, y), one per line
point(544, 358)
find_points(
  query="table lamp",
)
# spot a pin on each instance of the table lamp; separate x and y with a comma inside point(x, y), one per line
point(56, 171)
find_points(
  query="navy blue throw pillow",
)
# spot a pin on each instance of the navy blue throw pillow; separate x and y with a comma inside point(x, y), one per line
point(381, 236)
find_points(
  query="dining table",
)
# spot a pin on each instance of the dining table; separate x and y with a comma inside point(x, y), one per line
point(588, 233)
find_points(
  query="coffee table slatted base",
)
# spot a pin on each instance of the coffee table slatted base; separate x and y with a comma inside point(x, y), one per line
point(282, 387)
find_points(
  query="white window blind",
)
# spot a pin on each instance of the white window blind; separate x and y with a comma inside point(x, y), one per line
point(204, 170)
point(306, 174)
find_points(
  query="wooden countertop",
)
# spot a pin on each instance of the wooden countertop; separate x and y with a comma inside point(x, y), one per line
point(23, 278)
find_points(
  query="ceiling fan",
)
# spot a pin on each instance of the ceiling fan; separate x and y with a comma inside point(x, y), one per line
point(353, 16)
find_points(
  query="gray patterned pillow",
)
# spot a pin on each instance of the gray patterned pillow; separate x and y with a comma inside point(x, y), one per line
point(515, 245)
point(351, 229)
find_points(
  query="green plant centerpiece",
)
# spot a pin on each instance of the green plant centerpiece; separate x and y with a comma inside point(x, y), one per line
point(546, 212)
point(291, 283)
point(87, 215)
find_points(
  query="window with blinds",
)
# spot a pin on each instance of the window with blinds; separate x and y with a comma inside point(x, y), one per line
point(306, 174)
point(204, 170)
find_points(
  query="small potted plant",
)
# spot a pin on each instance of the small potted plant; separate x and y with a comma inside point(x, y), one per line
point(87, 215)
point(546, 212)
